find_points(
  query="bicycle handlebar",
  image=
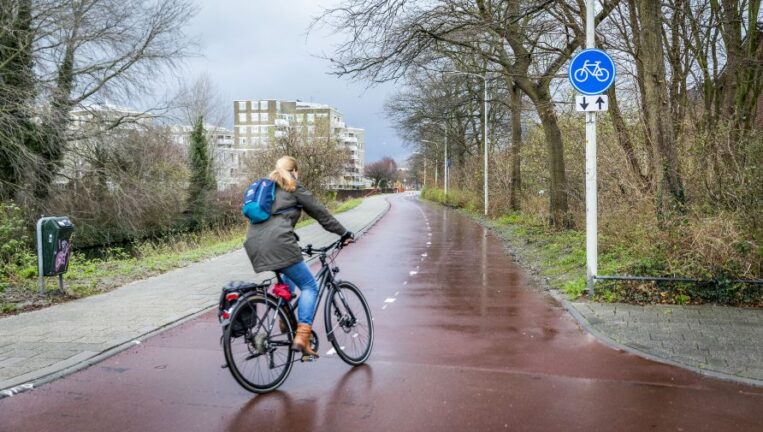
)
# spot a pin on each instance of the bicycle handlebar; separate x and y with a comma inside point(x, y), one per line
point(309, 250)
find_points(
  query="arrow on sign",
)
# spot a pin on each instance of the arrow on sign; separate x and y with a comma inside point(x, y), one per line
point(596, 103)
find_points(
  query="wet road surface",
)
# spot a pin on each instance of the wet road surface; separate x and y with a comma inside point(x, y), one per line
point(463, 342)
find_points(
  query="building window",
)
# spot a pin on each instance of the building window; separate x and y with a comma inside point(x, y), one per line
point(242, 117)
point(263, 105)
point(311, 118)
point(264, 117)
point(242, 105)
point(278, 106)
point(242, 141)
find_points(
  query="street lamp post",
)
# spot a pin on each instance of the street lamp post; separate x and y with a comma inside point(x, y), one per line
point(445, 165)
point(484, 137)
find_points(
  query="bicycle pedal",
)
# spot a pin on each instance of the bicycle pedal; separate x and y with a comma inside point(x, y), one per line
point(308, 358)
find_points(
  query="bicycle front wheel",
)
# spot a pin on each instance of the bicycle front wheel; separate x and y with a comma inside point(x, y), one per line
point(349, 325)
point(257, 344)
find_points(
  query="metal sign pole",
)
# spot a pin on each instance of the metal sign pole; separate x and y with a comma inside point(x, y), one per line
point(39, 255)
point(590, 171)
point(446, 165)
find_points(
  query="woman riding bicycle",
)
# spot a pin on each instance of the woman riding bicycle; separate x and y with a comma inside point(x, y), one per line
point(272, 245)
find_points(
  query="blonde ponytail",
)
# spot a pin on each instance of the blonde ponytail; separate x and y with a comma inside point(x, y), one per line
point(283, 173)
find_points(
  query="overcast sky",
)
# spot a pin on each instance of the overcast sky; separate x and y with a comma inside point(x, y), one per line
point(260, 50)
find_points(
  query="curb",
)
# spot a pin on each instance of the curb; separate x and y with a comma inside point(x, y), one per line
point(373, 222)
point(110, 352)
point(608, 341)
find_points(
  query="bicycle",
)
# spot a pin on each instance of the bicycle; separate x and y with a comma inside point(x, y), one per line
point(257, 340)
point(601, 74)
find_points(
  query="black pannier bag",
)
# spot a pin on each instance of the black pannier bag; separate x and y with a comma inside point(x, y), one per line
point(228, 302)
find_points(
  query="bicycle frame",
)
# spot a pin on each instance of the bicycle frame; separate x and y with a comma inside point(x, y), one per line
point(325, 279)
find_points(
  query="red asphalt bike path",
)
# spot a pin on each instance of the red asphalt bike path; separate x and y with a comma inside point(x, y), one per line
point(464, 341)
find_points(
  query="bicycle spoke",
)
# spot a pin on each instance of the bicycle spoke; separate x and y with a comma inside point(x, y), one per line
point(349, 324)
point(259, 360)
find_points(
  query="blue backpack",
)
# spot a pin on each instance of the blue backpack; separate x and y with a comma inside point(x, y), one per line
point(258, 201)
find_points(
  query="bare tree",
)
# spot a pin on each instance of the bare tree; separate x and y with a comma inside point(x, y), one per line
point(200, 98)
point(526, 42)
point(383, 172)
point(17, 92)
point(77, 53)
point(660, 126)
point(320, 157)
point(130, 184)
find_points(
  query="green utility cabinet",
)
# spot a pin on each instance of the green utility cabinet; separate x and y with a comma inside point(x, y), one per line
point(53, 248)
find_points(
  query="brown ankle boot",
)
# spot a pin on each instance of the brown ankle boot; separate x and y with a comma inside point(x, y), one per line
point(302, 340)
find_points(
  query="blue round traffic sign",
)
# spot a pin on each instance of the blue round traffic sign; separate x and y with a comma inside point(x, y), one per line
point(592, 71)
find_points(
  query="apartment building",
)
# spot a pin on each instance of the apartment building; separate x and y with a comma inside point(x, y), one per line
point(227, 158)
point(257, 123)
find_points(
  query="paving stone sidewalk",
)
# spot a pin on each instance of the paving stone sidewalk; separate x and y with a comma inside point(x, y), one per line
point(724, 342)
point(38, 346)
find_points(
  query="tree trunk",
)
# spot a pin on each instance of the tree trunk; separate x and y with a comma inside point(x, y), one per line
point(558, 210)
point(742, 72)
point(624, 139)
point(670, 196)
point(515, 197)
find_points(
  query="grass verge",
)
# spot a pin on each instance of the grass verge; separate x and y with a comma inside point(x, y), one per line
point(559, 258)
point(88, 277)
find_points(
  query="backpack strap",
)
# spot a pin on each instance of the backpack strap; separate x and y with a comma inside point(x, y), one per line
point(284, 210)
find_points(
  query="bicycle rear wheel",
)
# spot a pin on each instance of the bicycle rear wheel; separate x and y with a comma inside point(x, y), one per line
point(258, 353)
point(349, 325)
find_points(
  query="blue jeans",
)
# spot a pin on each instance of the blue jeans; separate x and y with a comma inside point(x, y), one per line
point(299, 275)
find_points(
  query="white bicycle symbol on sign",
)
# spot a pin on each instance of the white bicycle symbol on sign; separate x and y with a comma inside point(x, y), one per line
point(588, 68)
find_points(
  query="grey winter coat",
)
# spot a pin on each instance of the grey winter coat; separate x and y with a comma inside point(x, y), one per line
point(272, 245)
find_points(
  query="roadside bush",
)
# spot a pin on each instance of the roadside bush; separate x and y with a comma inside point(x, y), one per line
point(16, 253)
point(130, 185)
point(718, 239)
point(13, 236)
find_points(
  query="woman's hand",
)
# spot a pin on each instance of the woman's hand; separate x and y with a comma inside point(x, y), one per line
point(347, 238)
